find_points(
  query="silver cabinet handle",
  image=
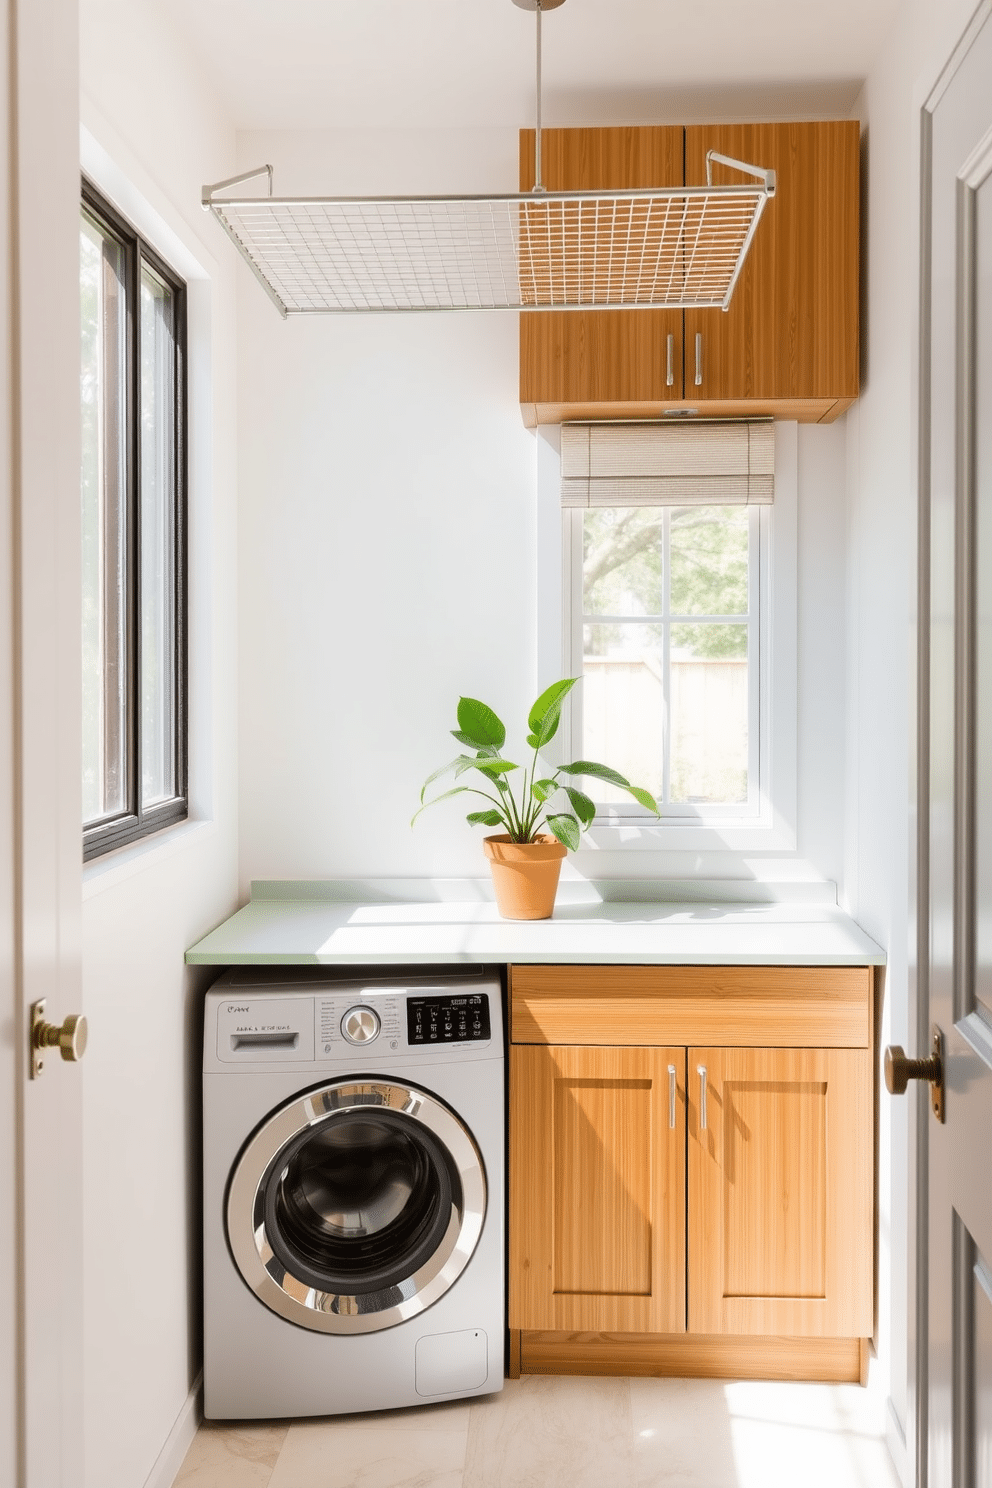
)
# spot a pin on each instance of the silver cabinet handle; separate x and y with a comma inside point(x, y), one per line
point(672, 1088)
point(701, 1072)
point(699, 358)
point(670, 361)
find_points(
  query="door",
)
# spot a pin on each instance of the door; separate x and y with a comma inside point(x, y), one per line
point(958, 120)
point(780, 1192)
point(597, 1189)
point(599, 357)
point(356, 1206)
point(791, 331)
point(41, 1405)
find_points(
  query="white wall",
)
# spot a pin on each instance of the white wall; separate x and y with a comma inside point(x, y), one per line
point(881, 585)
point(388, 560)
point(152, 136)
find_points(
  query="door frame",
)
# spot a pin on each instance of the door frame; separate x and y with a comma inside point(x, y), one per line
point(919, 886)
point(41, 1322)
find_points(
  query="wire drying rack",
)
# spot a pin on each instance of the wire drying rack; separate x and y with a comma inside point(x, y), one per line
point(674, 247)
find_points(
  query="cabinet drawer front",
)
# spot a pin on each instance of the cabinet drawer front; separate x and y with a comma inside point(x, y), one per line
point(770, 1006)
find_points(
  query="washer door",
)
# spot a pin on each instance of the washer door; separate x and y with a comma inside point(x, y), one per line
point(356, 1206)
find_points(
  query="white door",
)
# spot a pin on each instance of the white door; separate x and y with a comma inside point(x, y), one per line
point(40, 831)
point(958, 127)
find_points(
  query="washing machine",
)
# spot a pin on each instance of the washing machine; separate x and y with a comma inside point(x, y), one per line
point(353, 1159)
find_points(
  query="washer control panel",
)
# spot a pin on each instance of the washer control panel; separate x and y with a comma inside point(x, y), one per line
point(448, 1020)
point(360, 1025)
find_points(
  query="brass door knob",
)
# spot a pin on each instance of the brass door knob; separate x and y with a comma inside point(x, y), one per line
point(69, 1037)
point(900, 1069)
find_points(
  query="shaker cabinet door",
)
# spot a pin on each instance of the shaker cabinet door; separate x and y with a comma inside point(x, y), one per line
point(597, 357)
point(780, 1154)
point(597, 1189)
point(791, 332)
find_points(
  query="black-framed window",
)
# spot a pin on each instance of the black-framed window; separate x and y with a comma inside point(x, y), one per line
point(133, 487)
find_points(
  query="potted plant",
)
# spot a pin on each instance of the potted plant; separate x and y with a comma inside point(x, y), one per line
point(524, 860)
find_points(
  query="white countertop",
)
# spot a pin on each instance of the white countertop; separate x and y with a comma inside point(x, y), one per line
point(278, 928)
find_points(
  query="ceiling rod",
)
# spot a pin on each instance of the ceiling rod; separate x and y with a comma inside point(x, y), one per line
point(539, 6)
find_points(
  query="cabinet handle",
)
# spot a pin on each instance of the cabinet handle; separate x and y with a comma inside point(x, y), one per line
point(701, 1072)
point(672, 1088)
point(699, 358)
point(670, 361)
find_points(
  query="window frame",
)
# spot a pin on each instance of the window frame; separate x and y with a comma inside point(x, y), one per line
point(137, 820)
point(756, 619)
point(622, 829)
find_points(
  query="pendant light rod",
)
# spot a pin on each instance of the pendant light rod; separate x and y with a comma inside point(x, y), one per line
point(538, 183)
point(539, 6)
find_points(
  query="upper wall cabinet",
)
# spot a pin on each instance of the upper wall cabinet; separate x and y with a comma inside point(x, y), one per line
point(788, 345)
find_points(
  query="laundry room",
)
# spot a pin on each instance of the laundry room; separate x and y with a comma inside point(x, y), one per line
point(371, 531)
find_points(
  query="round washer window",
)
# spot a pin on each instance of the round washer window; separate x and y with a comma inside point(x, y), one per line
point(356, 1206)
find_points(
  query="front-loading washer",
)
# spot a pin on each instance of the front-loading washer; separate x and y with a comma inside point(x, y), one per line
point(353, 1158)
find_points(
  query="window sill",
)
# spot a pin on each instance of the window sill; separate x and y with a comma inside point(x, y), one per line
point(740, 834)
point(115, 867)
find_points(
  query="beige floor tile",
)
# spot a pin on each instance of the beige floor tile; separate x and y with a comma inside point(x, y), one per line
point(681, 1434)
point(349, 1453)
point(551, 1433)
point(231, 1456)
point(445, 1415)
point(711, 1434)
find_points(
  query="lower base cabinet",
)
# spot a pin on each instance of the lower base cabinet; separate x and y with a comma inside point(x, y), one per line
point(685, 1207)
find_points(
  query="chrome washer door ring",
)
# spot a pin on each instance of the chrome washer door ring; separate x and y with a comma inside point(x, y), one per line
point(356, 1205)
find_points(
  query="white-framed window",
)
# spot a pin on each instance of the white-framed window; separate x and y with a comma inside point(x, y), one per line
point(663, 624)
point(680, 616)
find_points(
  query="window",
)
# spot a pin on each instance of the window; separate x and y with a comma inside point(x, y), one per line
point(133, 408)
point(664, 630)
point(666, 535)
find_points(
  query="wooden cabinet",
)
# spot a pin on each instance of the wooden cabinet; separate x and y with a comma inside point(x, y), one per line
point(598, 1163)
point(787, 346)
point(588, 358)
point(691, 1169)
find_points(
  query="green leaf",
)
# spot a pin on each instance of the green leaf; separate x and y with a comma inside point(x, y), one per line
point(597, 772)
point(584, 808)
point(566, 829)
point(485, 819)
point(463, 738)
point(438, 773)
point(542, 789)
point(544, 716)
point(480, 723)
point(644, 797)
point(494, 767)
point(458, 790)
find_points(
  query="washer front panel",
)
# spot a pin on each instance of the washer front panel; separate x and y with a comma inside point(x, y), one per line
point(405, 1121)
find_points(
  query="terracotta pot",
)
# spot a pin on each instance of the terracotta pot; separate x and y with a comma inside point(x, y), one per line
point(525, 875)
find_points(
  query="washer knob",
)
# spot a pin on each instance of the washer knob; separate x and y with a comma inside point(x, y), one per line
point(360, 1025)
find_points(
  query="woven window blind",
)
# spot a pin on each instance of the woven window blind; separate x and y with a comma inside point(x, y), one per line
point(715, 463)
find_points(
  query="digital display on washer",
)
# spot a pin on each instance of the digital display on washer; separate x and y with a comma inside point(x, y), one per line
point(447, 1020)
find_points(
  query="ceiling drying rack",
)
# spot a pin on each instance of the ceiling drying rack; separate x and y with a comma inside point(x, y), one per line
point(679, 247)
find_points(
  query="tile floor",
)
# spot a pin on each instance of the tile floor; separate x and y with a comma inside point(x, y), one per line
point(570, 1433)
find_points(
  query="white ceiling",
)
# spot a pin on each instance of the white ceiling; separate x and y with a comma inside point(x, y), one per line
point(310, 64)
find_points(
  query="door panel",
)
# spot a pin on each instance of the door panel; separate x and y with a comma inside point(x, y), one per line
point(780, 1183)
point(601, 356)
point(959, 1362)
point(597, 1189)
point(792, 327)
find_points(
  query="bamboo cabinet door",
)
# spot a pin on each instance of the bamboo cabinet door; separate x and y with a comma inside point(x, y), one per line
point(597, 357)
point(597, 1189)
point(791, 332)
point(780, 1192)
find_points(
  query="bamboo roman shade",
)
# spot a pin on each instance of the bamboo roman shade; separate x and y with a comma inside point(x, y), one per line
point(711, 463)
